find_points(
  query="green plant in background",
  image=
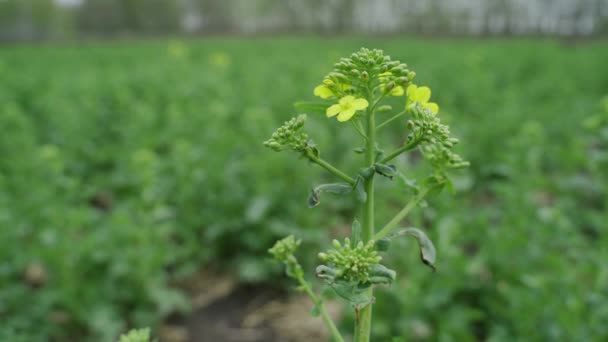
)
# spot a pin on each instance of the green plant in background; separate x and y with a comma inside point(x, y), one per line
point(355, 92)
point(136, 335)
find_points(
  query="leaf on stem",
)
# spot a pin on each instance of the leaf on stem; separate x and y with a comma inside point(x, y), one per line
point(356, 231)
point(385, 170)
point(427, 249)
point(336, 188)
point(360, 189)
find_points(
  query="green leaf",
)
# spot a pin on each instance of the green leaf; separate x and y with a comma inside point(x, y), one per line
point(353, 292)
point(312, 107)
point(427, 249)
point(360, 189)
point(435, 184)
point(381, 275)
point(385, 170)
point(336, 188)
point(315, 311)
point(383, 244)
point(356, 232)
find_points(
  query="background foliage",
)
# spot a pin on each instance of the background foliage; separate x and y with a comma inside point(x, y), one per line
point(125, 166)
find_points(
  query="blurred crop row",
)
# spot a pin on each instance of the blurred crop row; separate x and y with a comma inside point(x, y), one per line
point(126, 166)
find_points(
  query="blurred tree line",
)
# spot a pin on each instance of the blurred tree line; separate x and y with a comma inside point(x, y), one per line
point(61, 19)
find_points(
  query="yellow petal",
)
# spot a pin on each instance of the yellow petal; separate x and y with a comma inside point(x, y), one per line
point(411, 91)
point(333, 110)
point(346, 99)
point(423, 94)
point(433, 107)
point(347, 114)
point(397, 91)
point(359, 104)
point(343, 86)
point(323, 91)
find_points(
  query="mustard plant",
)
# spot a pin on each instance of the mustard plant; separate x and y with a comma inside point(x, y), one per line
point(354, 92)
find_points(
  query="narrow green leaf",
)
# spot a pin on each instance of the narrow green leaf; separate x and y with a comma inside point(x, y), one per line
point(380, 274)
point(427, 249)
point(385, 170)
point(360, 190)
point(356, 232)
point(382, 245)
point(336, 188)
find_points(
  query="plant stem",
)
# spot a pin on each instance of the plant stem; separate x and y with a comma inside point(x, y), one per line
point(335, 333)
point(332, 169)
point(394, 223)
point(391, 119)
point(398, 151)
point(363, 325)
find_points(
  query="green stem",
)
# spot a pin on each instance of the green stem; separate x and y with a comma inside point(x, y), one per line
point(335, 333)
point(363, 324)
point(398, 151)
point(393, 118)
point(332, 169)
point(394, 223)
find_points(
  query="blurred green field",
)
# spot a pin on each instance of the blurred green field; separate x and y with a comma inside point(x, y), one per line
point(127, 165)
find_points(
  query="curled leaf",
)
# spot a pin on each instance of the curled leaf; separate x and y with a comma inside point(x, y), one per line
point(379, 274)
point(385, 170)
point(336, 188)
point(427, 249)
point(326, 273)
point(382, 245)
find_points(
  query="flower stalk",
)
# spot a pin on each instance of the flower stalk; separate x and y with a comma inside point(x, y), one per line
point(353, 269)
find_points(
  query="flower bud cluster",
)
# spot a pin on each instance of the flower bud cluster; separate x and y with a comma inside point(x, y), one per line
point(284, 248)
point(442, 157)
point(289, 136)
point(434, 138)
point(351, 262)
point(426, 127)
point(372, 64)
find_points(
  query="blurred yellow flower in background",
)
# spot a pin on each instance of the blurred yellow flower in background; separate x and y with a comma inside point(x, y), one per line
point(177, 49)
point(219, 59)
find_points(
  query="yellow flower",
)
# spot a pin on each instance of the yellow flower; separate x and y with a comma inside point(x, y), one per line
point(421, 95)
point(396, 91)
point(346, 107)
point(220, 59)
point(177, 49)
point(325, 91)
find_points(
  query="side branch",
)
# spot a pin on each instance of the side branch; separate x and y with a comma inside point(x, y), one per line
point(400, 150)
point(332, 169)
point(394, 223)
point(335, 333)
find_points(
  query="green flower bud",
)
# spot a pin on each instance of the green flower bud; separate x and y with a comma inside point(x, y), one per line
point(351, 263)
